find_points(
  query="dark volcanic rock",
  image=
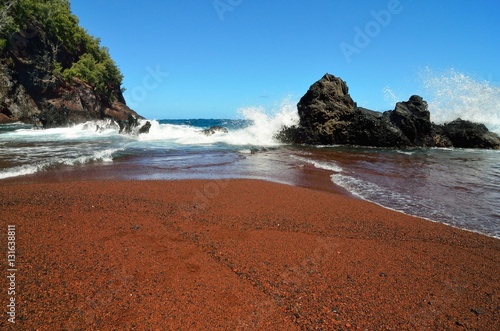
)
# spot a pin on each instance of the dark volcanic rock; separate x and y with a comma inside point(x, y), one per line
point(329, 116)
point(327, 99)
point(466, 134)
point(145, 128)
point(133, 126)
point(414, 120)
point(439, 137)
point(128, 125)
point(213, 129)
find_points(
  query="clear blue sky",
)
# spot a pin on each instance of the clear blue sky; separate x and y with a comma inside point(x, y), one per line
point(207, 59)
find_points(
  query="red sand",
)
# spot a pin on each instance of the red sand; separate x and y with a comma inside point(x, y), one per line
point(237, 255)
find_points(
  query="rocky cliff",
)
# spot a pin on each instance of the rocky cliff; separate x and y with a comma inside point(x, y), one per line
point(42, 73)
point(329, 116)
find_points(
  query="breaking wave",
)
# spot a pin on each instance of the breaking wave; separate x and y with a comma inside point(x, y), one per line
point(54, 162)
point(257, 128)
point(25, 150)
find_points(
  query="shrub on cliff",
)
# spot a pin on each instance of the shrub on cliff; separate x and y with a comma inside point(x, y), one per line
point(103, 75)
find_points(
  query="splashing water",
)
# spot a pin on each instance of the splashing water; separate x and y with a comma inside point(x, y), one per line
point(454, 94)
point(265, 126)
point(390, 96)
point(260, 132)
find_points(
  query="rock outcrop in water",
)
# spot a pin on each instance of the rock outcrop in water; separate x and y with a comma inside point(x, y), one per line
point(214, 129)
point(470, 135)
point(329, 116)
point(132, 126)
point(52, 79)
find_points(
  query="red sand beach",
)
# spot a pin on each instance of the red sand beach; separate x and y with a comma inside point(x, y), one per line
point(236, 255)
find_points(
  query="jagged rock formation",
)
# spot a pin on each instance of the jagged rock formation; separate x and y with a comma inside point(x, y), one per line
point(329, 116)
point(34, 90)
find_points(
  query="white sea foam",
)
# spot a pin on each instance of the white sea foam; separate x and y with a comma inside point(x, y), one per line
point(85, 131)
point(261, 132)
point(430, 209)
point(265, 126)
point(59, 157)
point(172, 132)
point(22, 170)
point(364, 189)
point(99, 155)
point(331, 166)
point(389, 198)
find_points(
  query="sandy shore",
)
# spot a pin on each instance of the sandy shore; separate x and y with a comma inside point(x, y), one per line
point(237, 255)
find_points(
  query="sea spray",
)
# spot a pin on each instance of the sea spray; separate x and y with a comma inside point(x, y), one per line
point(265, 127)
point(452, 95)
point(161, 131)
point(390, 96)
point(256, 128)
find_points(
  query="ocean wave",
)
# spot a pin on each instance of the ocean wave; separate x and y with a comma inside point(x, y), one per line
point(22, 170)
point(85, 131)
point(105, 156)
point(260, 129)
point(330, 166)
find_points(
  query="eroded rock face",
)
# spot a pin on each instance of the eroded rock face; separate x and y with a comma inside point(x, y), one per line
point(31, 92)
point(329, 116)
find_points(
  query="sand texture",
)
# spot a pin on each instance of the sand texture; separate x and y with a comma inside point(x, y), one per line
point(237, 255)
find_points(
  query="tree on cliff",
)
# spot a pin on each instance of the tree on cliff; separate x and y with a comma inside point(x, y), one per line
point(76, 53)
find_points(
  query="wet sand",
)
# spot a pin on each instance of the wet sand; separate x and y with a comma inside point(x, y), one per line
point(237, 255)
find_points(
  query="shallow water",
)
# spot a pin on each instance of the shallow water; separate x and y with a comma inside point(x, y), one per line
point(460, 187)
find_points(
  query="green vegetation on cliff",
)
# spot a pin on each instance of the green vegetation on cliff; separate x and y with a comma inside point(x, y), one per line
point(76, 54)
